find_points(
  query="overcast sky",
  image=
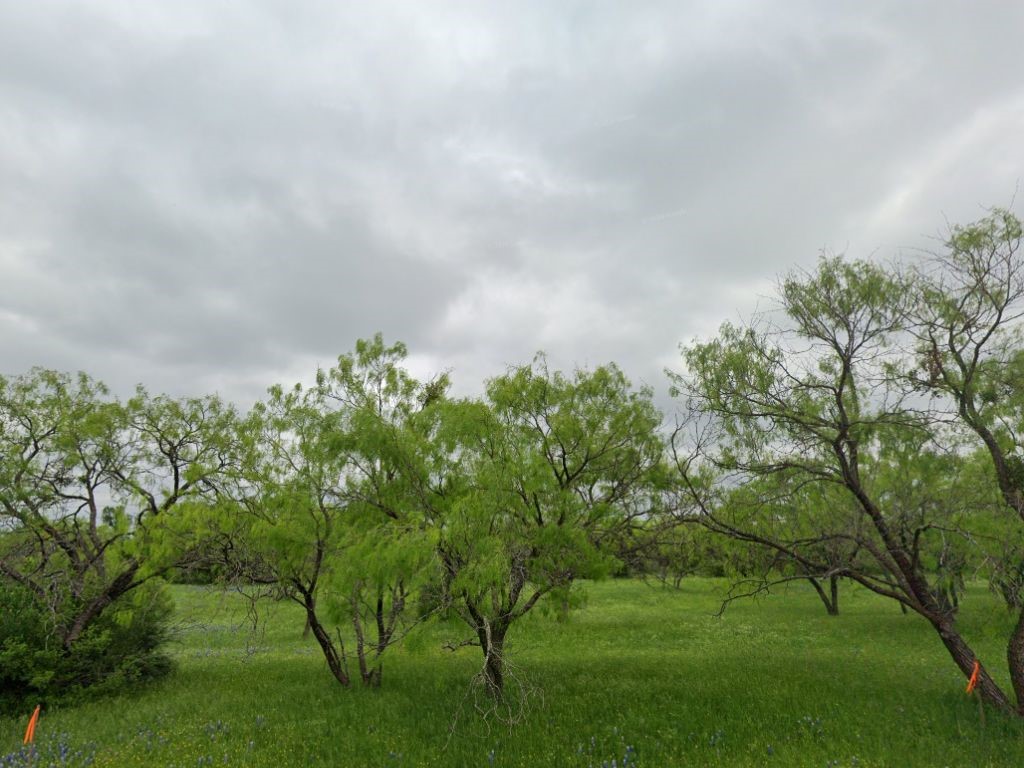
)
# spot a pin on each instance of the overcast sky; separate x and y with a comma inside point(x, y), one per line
point(216, 196)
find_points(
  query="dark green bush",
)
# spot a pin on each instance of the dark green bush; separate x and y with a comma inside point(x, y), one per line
point(123, 647)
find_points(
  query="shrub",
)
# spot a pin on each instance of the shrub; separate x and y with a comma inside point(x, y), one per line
point(121, 648)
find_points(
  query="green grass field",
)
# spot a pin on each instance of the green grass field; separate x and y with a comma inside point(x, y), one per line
point(774, 682)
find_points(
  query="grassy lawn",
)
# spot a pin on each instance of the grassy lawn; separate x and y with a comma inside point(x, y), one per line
point(772, 683)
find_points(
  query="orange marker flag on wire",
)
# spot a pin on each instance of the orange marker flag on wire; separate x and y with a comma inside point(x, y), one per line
point(973, 682)
point(30, 732)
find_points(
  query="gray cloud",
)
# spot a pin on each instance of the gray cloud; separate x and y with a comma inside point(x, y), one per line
point(222, 195)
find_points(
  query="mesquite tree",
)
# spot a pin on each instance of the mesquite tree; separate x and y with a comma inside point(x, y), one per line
point(389, 551)
point(321, 512)
point(543, 474)
point(816, 399)
point(88, 485)
point(967, 324)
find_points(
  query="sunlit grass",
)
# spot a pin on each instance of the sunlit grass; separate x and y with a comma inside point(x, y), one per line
point(773, 682)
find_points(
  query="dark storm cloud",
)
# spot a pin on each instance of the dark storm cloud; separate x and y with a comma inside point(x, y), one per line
point(222, 195)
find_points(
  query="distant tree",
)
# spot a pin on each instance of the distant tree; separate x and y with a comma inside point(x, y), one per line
point(666, 549)
point(1005, 571)
point(773, 506)
point(661, 550)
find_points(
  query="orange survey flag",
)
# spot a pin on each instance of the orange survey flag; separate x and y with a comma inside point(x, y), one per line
point(973, 682)
point(30, 732)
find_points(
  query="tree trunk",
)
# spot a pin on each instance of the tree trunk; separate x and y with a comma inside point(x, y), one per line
point(1015, 658)
point(929, 606)
point(83, 619)
point(494, 662)
point(370, 675)
point(118, 587)
point(831, 603)
point(492, 642)
point(1011, 592)
point(335, 661)
point(383, 636)
point(965, 658)
point(371, 678)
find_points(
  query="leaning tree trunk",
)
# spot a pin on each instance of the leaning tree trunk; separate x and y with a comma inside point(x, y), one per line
point(1012, 490)
point(926, 603)
point(121, 585)
point(965, 658)
point(961, 653)
point(335, 660)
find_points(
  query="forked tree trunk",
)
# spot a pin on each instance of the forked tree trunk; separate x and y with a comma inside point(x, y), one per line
point(491, 634)
point(492, 642)
point(385, 619)
point(831, 600)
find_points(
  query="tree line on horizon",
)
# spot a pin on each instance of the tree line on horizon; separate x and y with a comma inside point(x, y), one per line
point(867, 429)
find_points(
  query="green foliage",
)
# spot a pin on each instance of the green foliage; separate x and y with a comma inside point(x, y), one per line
point(535, 485)
point(970, 346)
point(120, 649)
point(88, 485)
point(320, 510)
point(812, 438)
point(797, 410)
